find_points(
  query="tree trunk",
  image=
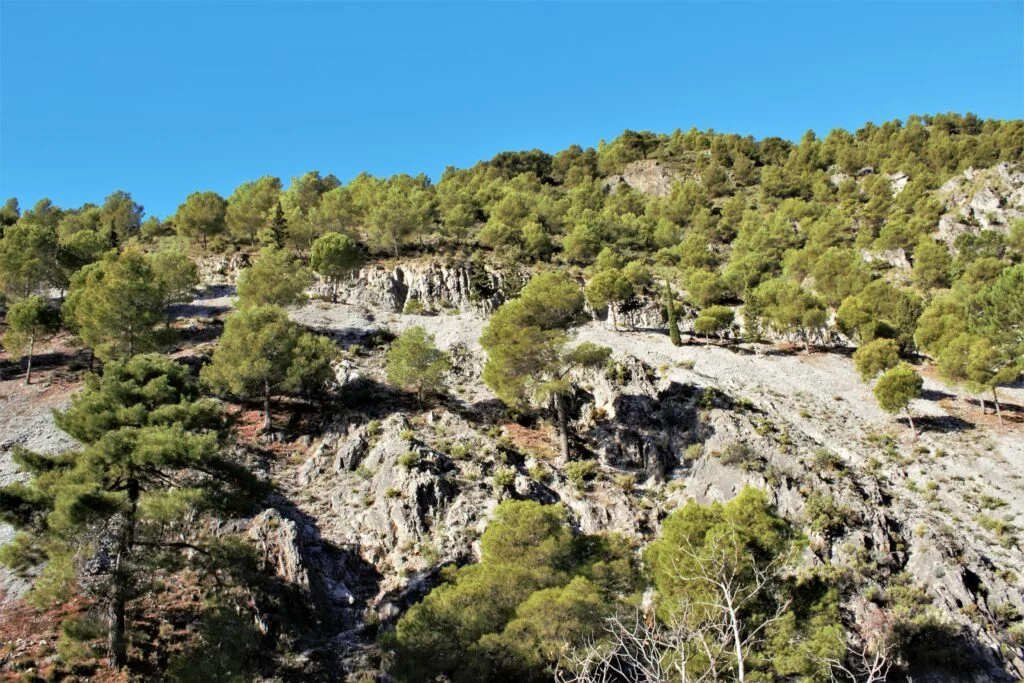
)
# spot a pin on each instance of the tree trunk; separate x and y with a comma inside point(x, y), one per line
point(28, 369)
point(734, 627)
point(116, 641)
point(266, 407)
point(999, 412)
point(913, 430)
point(116, 645)
point(982, 399)
point(563, 424)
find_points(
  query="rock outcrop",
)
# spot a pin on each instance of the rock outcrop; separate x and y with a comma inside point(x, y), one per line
point(982, 199)
point(649, 176)
point(426, 286)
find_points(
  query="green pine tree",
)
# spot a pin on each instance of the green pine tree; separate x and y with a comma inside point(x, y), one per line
point(111, 515)
point(673, 322)
point(115, 304)
point(275, 279)
point(897, 388)
point(334, 256)
point(263, 354)
point(528, 359)
point(29, 321)
point(414, 362)
point(276, 232)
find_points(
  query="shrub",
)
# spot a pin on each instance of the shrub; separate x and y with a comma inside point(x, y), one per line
point(825, 515)
point(737, 453)
point(579, 472)
point(409, 459)
point(413, 306)
point(694, 451)
point(503, 478)
point(826, 460)
point(538, 473)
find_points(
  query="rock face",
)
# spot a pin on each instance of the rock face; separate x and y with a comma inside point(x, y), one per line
point(412, 488)
point(220, 270)
point(649, 176)
point(433, 286)
point(291, 549)
point(982, 199)
point(26, 420)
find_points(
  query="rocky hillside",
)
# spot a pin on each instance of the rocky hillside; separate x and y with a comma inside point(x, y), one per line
point(380, 491)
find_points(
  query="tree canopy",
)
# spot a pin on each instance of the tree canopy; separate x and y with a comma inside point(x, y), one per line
point(124, 505)
point(528, 360)
point(414, 362)
point(263, 354)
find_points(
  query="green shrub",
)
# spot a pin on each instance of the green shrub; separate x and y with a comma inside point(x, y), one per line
point(737, 453)
point(579, 472)
point(695, 451)
point(825, 515)
point(503, 478)
point(409, 459)
point(413, 306)
point(827, 461)
point(538, 473)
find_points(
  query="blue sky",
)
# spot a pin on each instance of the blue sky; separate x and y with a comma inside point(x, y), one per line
point(165, 98)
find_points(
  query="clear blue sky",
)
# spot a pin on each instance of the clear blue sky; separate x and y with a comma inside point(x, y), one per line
point(165, 98)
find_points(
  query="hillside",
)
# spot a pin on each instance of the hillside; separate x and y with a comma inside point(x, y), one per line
point(784, 261)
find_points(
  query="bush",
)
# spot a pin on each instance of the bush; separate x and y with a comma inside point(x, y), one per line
point(737, 453)
point(826, 460)
point(695, 451)
point(503, 478)
point(825, 515)
point(413, 306)
point(538, 473)
point(626, 482)
point(579, 472)
point(409, 459)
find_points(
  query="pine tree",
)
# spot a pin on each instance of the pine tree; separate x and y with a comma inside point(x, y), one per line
point(110, 515)
point(115, 304)
point(29, 321)
point(528, 361)
point(202, 215)
point(276, 232)
point(177, 276)
point(29, 259)
point(414, 362)
point(876, 356)
point(673, 322)
point(609, 288)
point(263, 354)
point(275, 279)
point(334, 256)
point(897, 388)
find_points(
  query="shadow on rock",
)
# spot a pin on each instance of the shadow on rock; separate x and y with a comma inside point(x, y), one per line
point(651, 433)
